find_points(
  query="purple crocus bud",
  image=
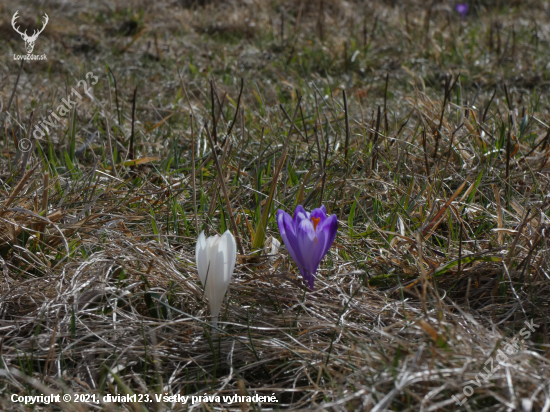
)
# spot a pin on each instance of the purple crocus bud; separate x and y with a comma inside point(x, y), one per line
point(462, 8)
point(308, 237)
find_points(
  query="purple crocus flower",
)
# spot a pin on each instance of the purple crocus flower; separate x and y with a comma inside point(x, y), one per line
point(462, 8)
point(308, 237)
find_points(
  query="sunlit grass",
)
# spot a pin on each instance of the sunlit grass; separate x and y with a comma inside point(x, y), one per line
point(439, 184)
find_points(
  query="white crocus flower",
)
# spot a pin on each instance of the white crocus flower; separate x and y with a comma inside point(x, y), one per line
point(216, 258)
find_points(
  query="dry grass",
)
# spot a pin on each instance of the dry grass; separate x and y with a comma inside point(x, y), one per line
point(440, 185)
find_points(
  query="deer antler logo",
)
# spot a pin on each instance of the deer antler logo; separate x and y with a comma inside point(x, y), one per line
point(29, 40)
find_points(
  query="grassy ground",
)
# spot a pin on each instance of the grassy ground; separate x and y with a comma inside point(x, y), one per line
point(427, 135)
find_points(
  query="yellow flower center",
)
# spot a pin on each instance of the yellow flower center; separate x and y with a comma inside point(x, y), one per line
point(315, 221)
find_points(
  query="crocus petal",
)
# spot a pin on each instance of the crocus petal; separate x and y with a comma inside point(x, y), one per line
point(288, 233)
point(307, 238)
point(288, 226)
point(227, 242)
point(299, 215)
point(462, 9)
point(326, 233)
point(306, 245)
point(319, 213)
point(201, 257)
point(222, 254)
point(211, 244)
point(215, 259)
